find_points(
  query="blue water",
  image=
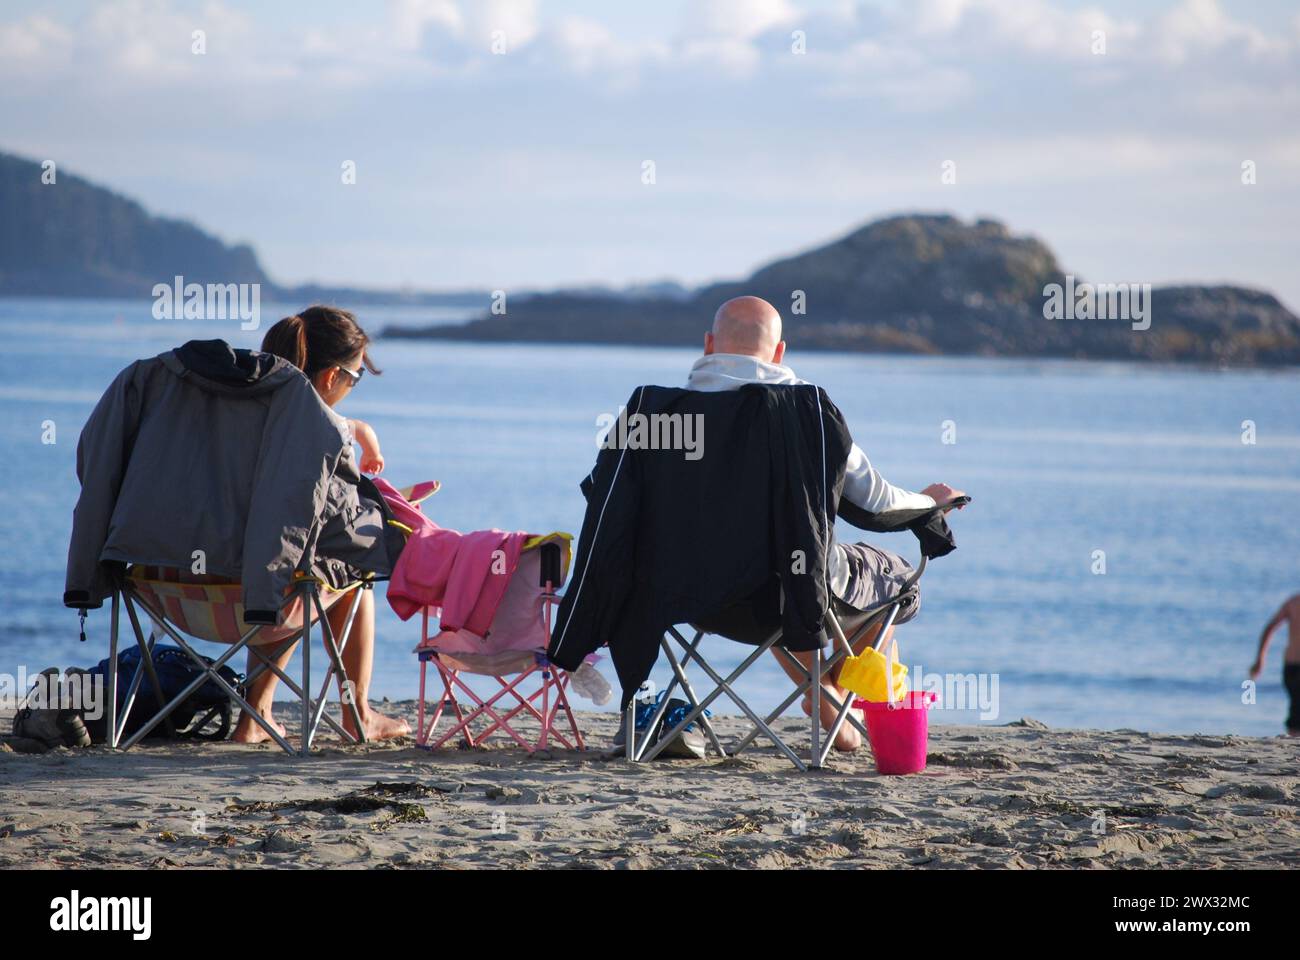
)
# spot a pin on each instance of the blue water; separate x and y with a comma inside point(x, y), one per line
point(1147, 464)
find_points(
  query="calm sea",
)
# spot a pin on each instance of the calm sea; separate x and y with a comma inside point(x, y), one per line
point(1069, 463)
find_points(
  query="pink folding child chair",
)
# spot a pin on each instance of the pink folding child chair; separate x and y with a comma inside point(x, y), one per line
point(512, 651)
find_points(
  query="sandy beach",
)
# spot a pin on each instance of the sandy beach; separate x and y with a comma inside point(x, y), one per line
point(1017, 796)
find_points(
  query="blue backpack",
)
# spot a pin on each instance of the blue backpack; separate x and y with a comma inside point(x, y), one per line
point(205, 715)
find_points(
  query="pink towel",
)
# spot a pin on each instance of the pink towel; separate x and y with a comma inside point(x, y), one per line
point(464, 574)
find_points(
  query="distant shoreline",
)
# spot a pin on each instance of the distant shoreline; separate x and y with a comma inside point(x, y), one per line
point(462, 331)
point(450, 336)
point(911, 282)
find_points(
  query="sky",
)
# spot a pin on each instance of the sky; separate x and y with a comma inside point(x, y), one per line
point(527, 168)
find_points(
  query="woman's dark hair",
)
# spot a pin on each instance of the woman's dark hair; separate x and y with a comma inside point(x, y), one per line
point(318, 338)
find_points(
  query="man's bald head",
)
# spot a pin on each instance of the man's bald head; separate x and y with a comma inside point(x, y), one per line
point(749, 326)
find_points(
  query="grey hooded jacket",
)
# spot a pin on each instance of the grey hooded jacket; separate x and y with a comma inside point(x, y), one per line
point(228, 457)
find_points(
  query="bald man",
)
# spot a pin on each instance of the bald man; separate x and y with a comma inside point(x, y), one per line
point(744, 347)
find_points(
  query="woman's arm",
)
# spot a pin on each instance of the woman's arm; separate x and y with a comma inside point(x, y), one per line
point(372, 461)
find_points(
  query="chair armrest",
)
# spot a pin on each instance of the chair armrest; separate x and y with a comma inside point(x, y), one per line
point(928, 524)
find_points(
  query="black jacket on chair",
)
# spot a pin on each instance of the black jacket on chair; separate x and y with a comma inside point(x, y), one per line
point(672, 535)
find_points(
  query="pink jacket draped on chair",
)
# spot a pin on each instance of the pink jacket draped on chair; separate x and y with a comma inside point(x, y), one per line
point(465, 575)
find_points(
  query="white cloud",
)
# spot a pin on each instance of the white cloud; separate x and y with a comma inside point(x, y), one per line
point(938, 16)
point(515, 20)
point(586, 46)
point(124, 41)
point(721, 34)
point(37, 40)
point(729, 55)
point(1197, 27)
point(739, 19)
point(1030, 26)
point(887, 90)
point(899, 75)
point(930, 45)
point(410, 18)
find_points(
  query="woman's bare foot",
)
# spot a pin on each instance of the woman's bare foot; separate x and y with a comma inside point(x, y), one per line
point(848, 739)
point(249, 730)
point(377, 726)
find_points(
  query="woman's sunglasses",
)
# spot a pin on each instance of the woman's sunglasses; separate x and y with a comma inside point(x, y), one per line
point(354, 375)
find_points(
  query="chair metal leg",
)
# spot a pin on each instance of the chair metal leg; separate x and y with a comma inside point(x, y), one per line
point(821, 741)
point(660, 709)
point(681, 678)
point(420, 738)
point(266, 661)
point(781, 708)
point(268, 665)
point(116, 622)
point(128, 702)
point(146, 662)
point(724, 687)
point(334, 648)
point(693, 650)
point(842, 714)
point(209, 672)
point(305, 738)
point(216, 678)
point(803, 687)
point(450, 680)
point(816, 712)
point(562, 703)
point(879, 643)
point(486, 708)
point(843, 708)
point(311, 715)
point(629, 730)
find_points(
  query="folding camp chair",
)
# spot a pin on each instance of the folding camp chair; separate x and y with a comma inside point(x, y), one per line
point(211, 610)
point(759, 625)
point(513, 653)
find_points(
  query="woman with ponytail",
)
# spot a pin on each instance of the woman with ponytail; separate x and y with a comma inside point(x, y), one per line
point(329, 347)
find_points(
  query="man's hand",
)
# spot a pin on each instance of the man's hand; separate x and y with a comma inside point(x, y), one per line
point(942, 494)
point(1256, 669)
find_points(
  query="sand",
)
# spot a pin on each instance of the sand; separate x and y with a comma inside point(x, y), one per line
point(1016, 796)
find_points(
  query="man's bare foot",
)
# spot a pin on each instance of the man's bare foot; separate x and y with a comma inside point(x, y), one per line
point(249, 730)
point(848, 739)
point(377, 726)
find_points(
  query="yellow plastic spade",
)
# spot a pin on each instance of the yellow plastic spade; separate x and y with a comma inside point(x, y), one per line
point(865, 676)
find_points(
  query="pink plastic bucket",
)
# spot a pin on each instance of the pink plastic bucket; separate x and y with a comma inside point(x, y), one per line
point(899, 732)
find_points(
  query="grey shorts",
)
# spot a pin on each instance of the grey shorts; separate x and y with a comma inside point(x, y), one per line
point(877, 575)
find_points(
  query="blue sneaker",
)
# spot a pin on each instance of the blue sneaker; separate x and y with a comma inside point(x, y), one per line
point(689, 741)
point(644, 713)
